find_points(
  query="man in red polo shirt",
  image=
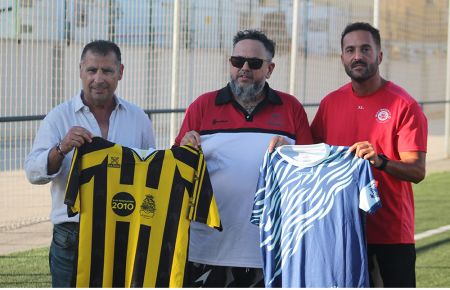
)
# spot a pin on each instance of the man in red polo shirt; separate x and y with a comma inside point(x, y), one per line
point(234, 125)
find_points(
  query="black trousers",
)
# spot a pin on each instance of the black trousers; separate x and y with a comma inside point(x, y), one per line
point(396, 265)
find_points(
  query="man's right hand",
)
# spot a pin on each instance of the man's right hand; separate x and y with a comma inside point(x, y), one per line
point(276, 142)
point(75, 137)
point(192, 137)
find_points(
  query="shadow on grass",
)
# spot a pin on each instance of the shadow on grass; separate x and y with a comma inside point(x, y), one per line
point(22, 256)
point(427, 247)
point(426, 267)
point(21, 274)
point(29, 280)
point(27, 284)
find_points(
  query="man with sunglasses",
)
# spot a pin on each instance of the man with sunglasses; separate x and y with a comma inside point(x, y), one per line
point(234, 126)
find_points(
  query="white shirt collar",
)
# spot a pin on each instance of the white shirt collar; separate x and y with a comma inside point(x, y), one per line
point(78, 102)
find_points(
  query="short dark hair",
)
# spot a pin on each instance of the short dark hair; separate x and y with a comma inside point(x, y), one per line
point(254, 34)
point(362, 26)
point(102, 47)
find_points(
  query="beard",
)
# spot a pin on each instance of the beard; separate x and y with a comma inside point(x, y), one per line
point(246, 93)
point(369, 71)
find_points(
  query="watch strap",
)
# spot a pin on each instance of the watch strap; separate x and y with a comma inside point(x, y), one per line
point(384, 161)
point(58, 149)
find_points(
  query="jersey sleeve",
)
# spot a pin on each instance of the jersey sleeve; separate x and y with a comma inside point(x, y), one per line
point(260, 195)
point(369, 200)
point(72, 198)
point(203, 206)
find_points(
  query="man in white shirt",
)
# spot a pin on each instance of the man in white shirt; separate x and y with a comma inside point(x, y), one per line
point(95, 111)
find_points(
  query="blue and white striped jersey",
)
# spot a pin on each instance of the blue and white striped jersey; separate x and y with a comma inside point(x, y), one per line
point(310, 206)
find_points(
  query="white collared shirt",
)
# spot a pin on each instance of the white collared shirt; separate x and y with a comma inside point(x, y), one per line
point(128, 126)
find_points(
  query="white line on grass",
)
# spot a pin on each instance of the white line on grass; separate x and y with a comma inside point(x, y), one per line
point(429, 233)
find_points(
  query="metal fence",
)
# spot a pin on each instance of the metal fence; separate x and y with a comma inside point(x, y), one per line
point(174, 50)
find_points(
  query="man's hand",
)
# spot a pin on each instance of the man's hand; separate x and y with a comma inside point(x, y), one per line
point(410, 167)
point(366, 151)
point(276, 142)
point(192, 137)
point(75, 137)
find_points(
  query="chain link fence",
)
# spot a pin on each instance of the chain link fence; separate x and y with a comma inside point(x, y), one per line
point(174, 50)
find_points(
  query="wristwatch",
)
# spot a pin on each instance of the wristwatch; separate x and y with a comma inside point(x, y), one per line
point(384, 161)
point(58, 149)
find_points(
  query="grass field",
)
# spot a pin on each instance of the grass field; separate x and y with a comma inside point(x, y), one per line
point(432, 202)
point(25, 269)
point(432, 198)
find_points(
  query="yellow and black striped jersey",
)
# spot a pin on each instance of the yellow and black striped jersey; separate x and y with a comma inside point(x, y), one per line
point(135, 210)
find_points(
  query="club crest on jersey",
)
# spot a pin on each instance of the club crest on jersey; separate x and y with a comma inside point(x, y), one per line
point(114, 162)
point(383, 115)
point(123, 204)
point(148, 206)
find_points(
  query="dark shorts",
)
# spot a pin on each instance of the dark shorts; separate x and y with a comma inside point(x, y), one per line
point(392, 265)
point(201, 275)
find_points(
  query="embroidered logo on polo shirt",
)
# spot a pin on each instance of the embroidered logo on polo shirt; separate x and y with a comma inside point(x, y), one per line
point(215, 121)
point(275, 120)
point(383, 115)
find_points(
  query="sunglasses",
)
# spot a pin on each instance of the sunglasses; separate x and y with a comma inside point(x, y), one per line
point(253, 62)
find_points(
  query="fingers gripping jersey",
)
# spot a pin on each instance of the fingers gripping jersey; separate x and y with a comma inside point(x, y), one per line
point(135, 210)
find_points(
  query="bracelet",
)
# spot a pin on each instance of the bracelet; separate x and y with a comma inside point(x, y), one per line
point(384, 162)
point(58, 148)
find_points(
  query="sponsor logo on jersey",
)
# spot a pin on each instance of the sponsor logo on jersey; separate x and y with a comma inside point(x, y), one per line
point(373, 190)
point(306, 171)
point(148, 206)
point(114, 161)
point(383, 115)
point(123, 204)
